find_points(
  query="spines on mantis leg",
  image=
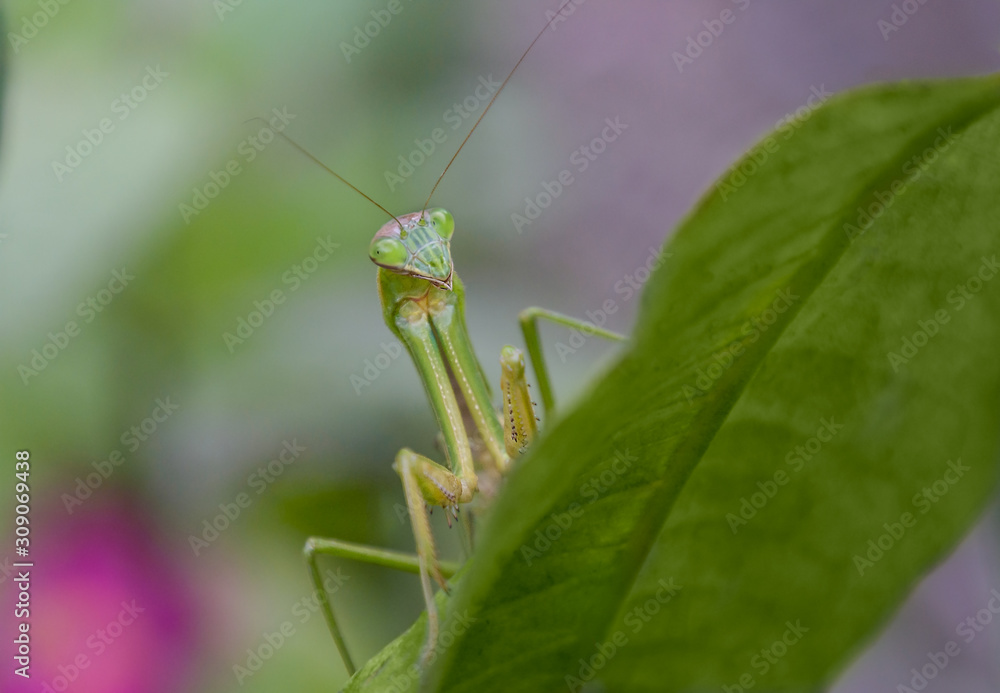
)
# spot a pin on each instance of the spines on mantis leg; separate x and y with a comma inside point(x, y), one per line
point(406, 465)
point(520, 425)
point(426, 483)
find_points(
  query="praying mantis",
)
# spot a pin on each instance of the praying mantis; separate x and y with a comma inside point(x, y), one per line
point(423, 304)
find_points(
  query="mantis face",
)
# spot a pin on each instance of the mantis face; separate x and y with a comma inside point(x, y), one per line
point(418, 245)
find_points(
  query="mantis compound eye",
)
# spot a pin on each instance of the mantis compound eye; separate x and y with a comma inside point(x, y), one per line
point(388, 252)
point(443, 222)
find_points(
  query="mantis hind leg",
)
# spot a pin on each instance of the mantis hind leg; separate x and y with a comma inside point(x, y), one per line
point(317, 546)
point(528, 319)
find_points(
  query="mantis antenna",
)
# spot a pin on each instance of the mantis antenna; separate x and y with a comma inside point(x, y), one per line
point(490, 104)
point(325, 167)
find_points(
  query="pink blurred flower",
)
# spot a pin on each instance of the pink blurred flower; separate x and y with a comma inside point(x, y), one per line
point(110, 610)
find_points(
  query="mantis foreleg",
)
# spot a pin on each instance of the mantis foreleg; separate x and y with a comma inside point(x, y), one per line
point(425, 482)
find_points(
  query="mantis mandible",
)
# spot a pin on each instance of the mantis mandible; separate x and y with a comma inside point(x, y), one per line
point(423, 304)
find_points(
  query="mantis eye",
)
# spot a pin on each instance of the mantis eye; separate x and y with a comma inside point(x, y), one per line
point(388, 252)
point(443, 222)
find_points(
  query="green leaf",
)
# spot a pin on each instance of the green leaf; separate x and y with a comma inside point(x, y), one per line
point(764, 346)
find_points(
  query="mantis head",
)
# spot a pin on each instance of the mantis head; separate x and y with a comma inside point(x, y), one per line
point(417, 245)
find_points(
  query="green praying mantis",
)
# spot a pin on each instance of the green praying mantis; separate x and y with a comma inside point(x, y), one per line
point(423, 304)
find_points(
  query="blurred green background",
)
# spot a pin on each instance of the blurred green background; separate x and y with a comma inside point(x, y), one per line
point(304, 373)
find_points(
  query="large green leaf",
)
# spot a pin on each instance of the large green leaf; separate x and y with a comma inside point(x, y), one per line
point(764, 346)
